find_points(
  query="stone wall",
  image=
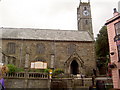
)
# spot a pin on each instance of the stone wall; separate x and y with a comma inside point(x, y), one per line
point(54, 83)
point(84, 52)
point(30, 83)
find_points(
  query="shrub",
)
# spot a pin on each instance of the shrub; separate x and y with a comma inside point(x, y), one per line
point(36, 70)
point(12, 68)
point(19, 70)
point(58, 71)
point(46, 70)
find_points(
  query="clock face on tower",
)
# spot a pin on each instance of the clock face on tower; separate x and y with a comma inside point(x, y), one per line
point(85, 13)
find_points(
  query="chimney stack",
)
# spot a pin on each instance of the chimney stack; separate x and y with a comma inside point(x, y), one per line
point(115, 12)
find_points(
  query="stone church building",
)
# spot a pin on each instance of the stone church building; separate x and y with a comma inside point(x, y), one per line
point(70, 50)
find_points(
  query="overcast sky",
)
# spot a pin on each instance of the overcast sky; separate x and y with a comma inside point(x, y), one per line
point(52, 14)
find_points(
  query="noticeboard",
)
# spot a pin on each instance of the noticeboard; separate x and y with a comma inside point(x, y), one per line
point(38, 65)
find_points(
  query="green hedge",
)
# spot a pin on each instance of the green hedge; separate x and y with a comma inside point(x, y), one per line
point(12, 69)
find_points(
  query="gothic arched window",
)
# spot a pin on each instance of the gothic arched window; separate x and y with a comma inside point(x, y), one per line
point(40, 48)
point(71, 48)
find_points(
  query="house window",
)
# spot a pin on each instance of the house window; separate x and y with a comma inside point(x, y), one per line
point(118, 52)
point(117, 28)
point(11, 48)
point(71, 48)
point(40, 48)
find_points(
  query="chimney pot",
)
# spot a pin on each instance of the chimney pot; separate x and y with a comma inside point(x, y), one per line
point(115, 10)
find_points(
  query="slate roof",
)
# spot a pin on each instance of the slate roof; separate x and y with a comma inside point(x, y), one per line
point(45, 34)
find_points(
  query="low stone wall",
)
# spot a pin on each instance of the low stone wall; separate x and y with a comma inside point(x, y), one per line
point(27, 80)
point(41, 80)
point(30, 83)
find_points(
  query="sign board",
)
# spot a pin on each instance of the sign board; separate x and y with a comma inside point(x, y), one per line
point(45, 66)
point(38, 65)
point(32, 64)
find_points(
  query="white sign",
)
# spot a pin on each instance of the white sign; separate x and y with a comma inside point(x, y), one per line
point(32, 64)
point(45, 65)
point(39, 65)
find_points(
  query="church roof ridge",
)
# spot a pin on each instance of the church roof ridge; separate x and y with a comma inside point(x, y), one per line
point(41, 29)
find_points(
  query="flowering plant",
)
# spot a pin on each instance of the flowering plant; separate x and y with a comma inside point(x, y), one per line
point(112, 65)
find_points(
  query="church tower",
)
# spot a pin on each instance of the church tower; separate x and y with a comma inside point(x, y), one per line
point(84, 19)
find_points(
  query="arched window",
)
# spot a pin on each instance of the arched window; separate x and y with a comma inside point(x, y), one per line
point(40, 48)
point(71, 48)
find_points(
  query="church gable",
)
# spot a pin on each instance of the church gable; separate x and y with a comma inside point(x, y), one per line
point(76, 57)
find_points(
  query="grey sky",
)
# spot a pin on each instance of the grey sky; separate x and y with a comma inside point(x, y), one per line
point(52, 14)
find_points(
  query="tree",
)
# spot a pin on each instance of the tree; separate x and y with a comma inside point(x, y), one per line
point(101, 44)
point(102, 48)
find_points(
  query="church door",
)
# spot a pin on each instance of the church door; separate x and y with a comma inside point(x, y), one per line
point(74, 67)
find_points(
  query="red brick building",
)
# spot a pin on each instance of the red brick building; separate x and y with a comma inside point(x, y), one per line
point(113, 29)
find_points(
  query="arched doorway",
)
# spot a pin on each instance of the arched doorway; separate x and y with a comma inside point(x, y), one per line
point(74, 67)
